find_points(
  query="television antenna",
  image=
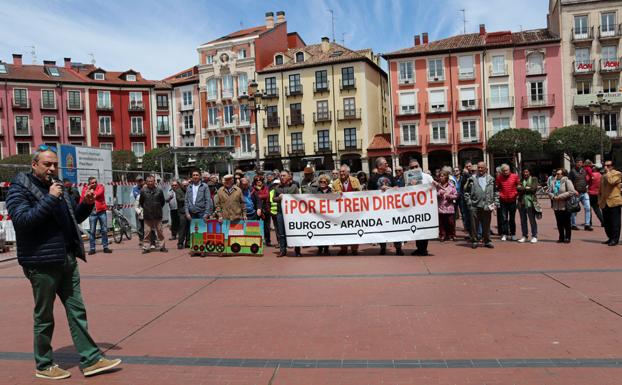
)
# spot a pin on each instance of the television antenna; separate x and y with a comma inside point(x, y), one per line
point(33, 54)
point(464, 20)
point(332, 21)
point(92, 58)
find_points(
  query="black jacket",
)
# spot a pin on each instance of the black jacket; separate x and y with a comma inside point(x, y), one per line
point(152, 201)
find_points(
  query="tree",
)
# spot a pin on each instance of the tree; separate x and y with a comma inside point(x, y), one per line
point(578, 140)
point(17, 159)
point(124, 160)
point(9, 167)
point(151, 160)
point(514, 141)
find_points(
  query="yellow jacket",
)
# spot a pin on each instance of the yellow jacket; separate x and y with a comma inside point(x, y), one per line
point(609, 194)
point(356, 185)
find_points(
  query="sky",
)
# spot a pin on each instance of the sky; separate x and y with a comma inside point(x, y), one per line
point(159, 37)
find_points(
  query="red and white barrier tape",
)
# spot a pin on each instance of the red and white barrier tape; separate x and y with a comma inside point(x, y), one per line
point(8, 184)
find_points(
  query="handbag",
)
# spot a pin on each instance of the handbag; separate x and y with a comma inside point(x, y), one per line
point(572, 204)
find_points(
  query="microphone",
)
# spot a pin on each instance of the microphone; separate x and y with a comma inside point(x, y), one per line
point(53, 180)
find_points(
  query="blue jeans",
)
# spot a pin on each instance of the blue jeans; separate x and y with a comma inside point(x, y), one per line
point(584, 198)
point(280, 234)
point(93, 219)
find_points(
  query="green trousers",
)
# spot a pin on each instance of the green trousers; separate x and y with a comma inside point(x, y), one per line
point(64, 281)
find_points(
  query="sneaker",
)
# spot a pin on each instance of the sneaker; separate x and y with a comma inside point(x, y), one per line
point(107, 250)
point(145, 251)
point(534, 240)
point(91, 252)
point(504, 238)
point(522, 240)
point(153, 247)
point(53, 373)
point(489, 245)
point(102, 365)
point(588, 228)
point(163, 249)
point(574, 228)
point(474, 245)
point(179, 247)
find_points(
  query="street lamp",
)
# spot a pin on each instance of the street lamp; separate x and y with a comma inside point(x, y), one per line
point(599, 107)
point(254, 102)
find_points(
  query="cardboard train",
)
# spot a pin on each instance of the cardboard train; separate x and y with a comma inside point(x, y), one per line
point(226, 238)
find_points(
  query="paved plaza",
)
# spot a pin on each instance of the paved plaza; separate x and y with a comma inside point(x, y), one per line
point(519, 314)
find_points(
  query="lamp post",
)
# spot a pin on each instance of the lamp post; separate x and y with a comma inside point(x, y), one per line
point(598, 108)
point(254, 102)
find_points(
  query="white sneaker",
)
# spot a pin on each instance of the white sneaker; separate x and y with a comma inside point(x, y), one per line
point(513, 237)
point(504, 238)
point(534, 240)
point(522, 240)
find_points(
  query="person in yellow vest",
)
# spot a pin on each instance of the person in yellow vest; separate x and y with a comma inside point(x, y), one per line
point(273, 210)
point(345, 184)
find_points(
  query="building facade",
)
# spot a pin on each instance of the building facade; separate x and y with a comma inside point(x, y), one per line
point(185, 108)
point(322, 105)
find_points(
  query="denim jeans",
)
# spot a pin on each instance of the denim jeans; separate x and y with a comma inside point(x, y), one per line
point(508, 218)
point(525, 213)
point(102, 219)
point(281, 234)
point(584, 198)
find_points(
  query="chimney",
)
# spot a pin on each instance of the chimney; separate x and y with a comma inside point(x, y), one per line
point(280, 17)
point(17, 59)
point(482, 29)
point(424, 37)
point(325, 44)
point(67, 62)
point(269, 20)
point(417, 40)
point(49, 63)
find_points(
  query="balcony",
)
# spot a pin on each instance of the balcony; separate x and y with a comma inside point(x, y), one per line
point(214, 125)
point(272, 150)
point(76, 132)
point(296, 149)
point(543, 131)
point(212, 96)
point(240, 154)
point(498, 72)
point(48, 105)
point(137, 133)
point(104, 134)
point(351, 114)
point(407, 110)
point(20, 130)
point(244, 121)
point(438, 108)
point(73, 106)
point(271, 93)
point(321, 87)
point(585, 67)
point(443, 139)
point(350, 145)
point(609, 32)
point(609, 66)
point(614, 134)
point(227, 93)
point(136, 106)
point(436, 79)
point(21, 104)
point(162, 107)
point(229, 124)
point(296, 120)
point(188, 131)
point(295, 90)
point(535, 70)
point(583, 36)
point(272, 122)
point(185, 106)
point(49, 132)
point(323, 147)
point(538, 101)
point(348, 84)
point(470, 75)
point(468, 105)
point(322, 117)
point(409, 142)
point(104, 107)
point(500, 103)
point(470, 140)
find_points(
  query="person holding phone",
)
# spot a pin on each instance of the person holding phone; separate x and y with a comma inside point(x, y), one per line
point(98, 215)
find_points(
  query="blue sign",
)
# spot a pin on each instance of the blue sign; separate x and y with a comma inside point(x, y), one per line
point(68, 163)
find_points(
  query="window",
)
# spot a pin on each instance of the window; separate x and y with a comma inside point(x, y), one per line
point(162, 102)
point(323, 140)
point(213, 141)
point(49, 125)
point(23, 148)
point(130, 78)
point(243, 84)
point(272, 113)
point(297, 144)
point(437, 100)
point(105, 128)
point(295, 111)
point(584, 119)
point(609, 57)
point(162, 125)
point(322, 110)
point(409, 134)
point(535, 63)
point(580, 27)
point(467, 99)
point(610, 85)
point(469, 131)
point(73, 99)
point(209, 59)
point(466, 67)
point(582, 60)
point(228, 115)
point(245, 114)
point(610, 124)
point(498, 65)
point(20, 97)
point(538, 123)
point(105, 146)
point(138, 148)
point(294, 84)
point(321, 80)
point(75, 125)
point(439, 132)
point(500, 124)
point(608, 24)
point(278, 59)
point(136, 100)
point(103, 99)
point(300, 57)
point(245, 142)
point(242, 54)
point(227, 86)
point(3, 68)
point(188, 122)
point(137, 125)
point(229, 140)
point(435, 70)
point(187, 98)
point(22, 127)
point(584, 87)
point(349, 107)
point(536, 92)
point(406, 73)
point(500, 95)
point(347, 77)
point(407, 103)
point(273, 144)
point(212, 117)
point(212, 89)
point(48, 99)
point(349, 138)
point(99, 76)
point(270, 86)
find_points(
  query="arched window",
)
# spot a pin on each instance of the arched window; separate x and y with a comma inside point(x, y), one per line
point(300, 57)
point(278, 59)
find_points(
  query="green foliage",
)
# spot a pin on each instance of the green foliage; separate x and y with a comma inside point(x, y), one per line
point(578, 140)
point(151, 160)
point(513, 141)
point(124, 160)
point(17, 159)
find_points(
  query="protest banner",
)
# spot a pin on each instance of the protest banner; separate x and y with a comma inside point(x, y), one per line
point(398, 214)
point(226, 238)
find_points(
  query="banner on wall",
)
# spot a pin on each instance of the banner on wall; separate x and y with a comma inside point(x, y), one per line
point(79, 163)
point(396, 215)
point(227, 238)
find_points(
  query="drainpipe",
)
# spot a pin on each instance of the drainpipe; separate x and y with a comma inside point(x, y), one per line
point(64, 137)
point(332, 75)
point(454, 114)
point(283, 123)
point(484, 108)
point(6, 108)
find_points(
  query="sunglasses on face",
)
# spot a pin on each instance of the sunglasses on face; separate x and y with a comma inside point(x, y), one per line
point(45, 147)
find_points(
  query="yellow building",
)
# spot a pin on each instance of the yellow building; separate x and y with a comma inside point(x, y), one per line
point(322, 104)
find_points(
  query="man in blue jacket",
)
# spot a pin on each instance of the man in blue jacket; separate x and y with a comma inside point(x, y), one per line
point(46, 220)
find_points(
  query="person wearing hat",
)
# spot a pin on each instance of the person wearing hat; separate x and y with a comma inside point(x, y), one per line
point(308, 182)
point(229, 201)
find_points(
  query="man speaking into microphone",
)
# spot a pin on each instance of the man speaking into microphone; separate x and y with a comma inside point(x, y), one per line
point(48, 242)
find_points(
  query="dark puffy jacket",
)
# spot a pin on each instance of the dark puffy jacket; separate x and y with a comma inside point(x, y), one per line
point(578, 179)
point(152, 201)
point(39, 226)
